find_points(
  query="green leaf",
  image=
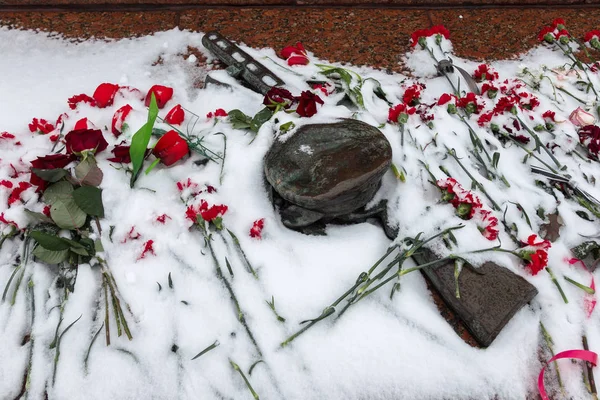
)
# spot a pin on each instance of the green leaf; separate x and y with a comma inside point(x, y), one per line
point(50, 256)
point(88, 173)
point(239, 120)
point(344, 75)
point(49, 242)
point(140, 140)
point(89, 199)
point(58, 190)
point(66, 214)
point(260, 118)
point(37, 217)
point(50, 175)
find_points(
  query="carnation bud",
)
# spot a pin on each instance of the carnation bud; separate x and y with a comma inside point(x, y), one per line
point(495, 128)
point(403, 118)
point(471, 108)
point(539, 128)
point(513, 110)
point(548, 37)
point(423, 42)
point(492, 94)
point(451, 109)
point(564, 39)
point(549, 126)
point(595, 43)
point(464, 210)
point(438, 39)
point(430, 124)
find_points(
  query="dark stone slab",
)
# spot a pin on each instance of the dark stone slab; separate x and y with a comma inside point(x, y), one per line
point(333, 168)
point(490, 295)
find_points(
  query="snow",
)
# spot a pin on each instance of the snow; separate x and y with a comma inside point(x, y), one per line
point(380, 349)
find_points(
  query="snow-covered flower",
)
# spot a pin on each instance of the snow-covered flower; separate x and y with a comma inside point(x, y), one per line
point(580, 117)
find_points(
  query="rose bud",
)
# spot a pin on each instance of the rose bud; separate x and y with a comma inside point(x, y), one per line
point(170, 148)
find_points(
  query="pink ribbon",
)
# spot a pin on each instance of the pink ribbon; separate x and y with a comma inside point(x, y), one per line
point(584, 355)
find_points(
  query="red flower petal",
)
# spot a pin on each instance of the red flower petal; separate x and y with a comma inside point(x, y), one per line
point(104, 94)
point(162, 93)
point(170, 148)
point(175, 116)
point(118, 119)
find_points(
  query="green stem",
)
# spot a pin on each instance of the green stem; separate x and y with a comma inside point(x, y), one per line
point(206, 350)
point(539, 143)
point(495, 206)
point(586, 289)
point(553, 278)
point(239, 370)
point(550, 342)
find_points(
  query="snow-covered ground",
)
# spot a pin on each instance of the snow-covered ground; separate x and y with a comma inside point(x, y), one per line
point(380, 349)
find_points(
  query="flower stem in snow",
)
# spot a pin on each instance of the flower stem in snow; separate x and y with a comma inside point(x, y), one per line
point(539, 143)
point(227, 285)
point(550, 342)
point(553, 278)
point(586, 289)
point(239, 370)
point(495, 206)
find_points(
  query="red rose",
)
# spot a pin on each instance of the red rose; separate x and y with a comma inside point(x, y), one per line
point(85, 139)
point(175, 116)
point(162, 93)
point(105, 94)
point(78, 98)
point(52, 161)
point(278, 96)
point(295, 55)
point(118, 119)
point(170, 148)
point(121, 154)
point(41, 126)
point(307, 106)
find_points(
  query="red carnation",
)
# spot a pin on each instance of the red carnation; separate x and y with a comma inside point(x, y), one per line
point(148, 248)
point(170, 148)
point(412, 94)
point(485, 73)
point(104, 95)
point(295, 55)
point(257, 227)
point(445, 98)
point(175, 116)
point(85, 139)
point(41, 126)
point(307, 106)
point(162, 94)
point(546, 34)
point(118, 119)
point(593, 39)
point(399, 113)
point(469, 103)
point(219, 112)
point(79, 98)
